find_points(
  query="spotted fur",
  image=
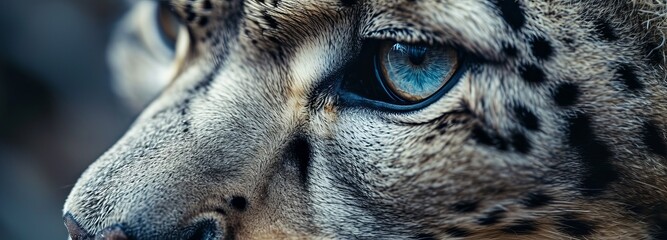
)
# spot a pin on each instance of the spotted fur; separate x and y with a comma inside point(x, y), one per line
point(556, 131)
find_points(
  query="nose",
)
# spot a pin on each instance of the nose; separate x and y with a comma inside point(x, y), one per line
point(201, 230)
point(74, 229)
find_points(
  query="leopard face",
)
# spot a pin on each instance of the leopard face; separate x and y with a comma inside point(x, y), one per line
point(448, 119)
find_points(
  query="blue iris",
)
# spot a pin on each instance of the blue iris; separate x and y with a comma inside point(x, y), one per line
point(414, 73)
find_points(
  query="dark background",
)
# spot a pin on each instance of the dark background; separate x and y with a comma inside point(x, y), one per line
point(57, 109)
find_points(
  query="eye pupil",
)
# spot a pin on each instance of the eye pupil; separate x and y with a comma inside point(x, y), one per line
point(416, 55)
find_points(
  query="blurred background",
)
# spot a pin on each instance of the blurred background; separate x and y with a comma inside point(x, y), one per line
point(57, 109)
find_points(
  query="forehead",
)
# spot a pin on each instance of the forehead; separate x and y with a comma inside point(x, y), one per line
point(476, 25)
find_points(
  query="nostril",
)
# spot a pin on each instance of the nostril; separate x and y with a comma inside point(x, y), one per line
point(203, 230)
point(112, 233)
point(76, 232)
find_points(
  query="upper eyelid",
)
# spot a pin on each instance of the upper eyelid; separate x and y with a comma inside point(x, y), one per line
point(470, 25)
point(480, 55)
point(404, 35)
point(462, 51)
point(410, 36)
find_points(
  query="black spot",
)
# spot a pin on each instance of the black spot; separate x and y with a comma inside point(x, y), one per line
point(465, 206)
point(492, 217)
point(628, 75)
point(524, 226)
point(512, 12)
point(190, 15)
point(573, 226)
point(205, 83)
point(520, 142)
point(526, 117)
point(510, 50)
point(541, 48)
point(595, 156)
point(654, 139)
point(532, 74)
point(183, 109)
point(600, 172)
point(239, 203)
point(604, 30)
point(270, 20)
point(203, 21)
point(581, 132)
point(457, 232)
point(348, 3)
point(481, 136)
point(207, 5)
point(425, 236)
point(299, 153)
point(536, 199)
point(566, 94)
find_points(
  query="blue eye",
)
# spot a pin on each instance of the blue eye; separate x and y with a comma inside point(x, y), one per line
point(413, 73)
point(401, 77)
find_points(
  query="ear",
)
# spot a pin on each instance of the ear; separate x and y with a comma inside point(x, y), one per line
point(139, 56)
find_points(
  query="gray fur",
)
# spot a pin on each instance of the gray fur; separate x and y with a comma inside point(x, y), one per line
point(227, 123)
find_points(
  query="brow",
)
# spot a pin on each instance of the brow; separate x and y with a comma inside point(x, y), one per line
point(470, 24)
